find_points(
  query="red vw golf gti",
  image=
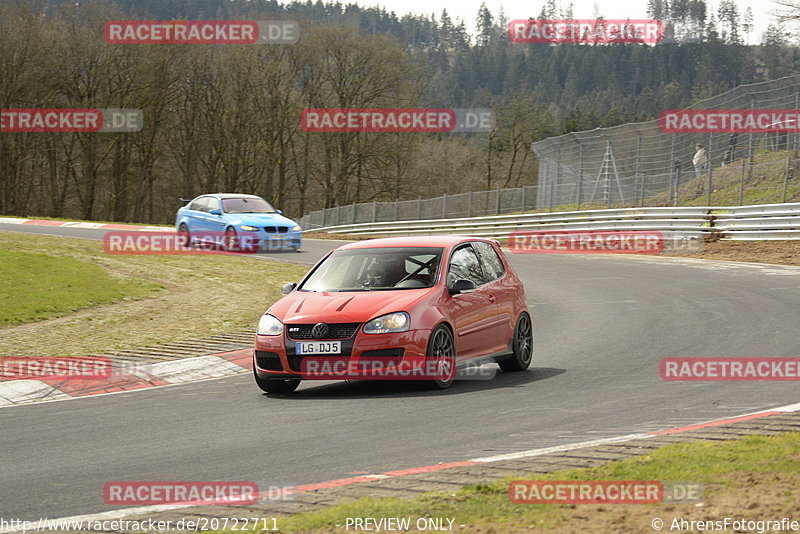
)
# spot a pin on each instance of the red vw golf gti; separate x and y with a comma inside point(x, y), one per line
point(405, 308)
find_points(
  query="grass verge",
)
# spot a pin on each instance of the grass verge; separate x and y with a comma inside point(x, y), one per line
point(39, 286)
point(200, 296)
point(757, 477)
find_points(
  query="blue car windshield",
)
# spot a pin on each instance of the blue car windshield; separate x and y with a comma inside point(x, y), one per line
point(370, 269)
point(247, 205)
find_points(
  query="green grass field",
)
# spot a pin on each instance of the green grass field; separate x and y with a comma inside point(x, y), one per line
point(39, 286)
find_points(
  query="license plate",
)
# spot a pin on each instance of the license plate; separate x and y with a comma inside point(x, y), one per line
point(318, 347)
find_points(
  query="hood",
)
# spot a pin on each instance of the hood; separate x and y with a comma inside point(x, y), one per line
point(262, 219)
point(303, 307)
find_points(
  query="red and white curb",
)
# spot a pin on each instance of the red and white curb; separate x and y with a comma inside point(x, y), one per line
point(79, 224)
point(267, 495)
point(219, 365)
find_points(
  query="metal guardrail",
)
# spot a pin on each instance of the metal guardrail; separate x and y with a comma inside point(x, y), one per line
point(767, 221)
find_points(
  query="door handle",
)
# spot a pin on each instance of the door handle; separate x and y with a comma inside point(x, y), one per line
point(492, 299)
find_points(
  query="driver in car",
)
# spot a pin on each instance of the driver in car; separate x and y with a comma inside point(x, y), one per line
point(375, 277)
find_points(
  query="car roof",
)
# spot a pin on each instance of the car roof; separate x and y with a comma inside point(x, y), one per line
point(421, 241)
point(231, 195)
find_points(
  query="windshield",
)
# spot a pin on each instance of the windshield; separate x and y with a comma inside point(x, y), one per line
point(247, 205)
point(369, 269)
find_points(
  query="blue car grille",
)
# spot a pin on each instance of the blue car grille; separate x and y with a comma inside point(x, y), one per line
point(276, 229)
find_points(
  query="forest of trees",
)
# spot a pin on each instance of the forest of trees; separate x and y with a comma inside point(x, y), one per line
point(226, 117)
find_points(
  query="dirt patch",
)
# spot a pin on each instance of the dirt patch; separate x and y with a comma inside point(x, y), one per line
point(777, 252)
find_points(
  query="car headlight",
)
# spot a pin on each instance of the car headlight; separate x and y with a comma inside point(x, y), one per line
point(296, 228)
point(392, 322)
point(247, 228)
point(269, 325)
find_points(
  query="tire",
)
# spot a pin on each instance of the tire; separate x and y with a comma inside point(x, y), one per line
point(276, 385)
point(522, 346)
point(183, 231)
point(442, 351)
point(231, 242)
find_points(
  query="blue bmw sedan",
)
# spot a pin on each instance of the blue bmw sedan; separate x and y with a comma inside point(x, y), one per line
point(237, 217)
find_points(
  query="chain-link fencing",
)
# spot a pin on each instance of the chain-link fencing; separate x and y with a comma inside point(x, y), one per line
point(630, 165)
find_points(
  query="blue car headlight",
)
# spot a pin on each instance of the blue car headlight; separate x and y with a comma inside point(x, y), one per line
point(296, 228)
point(247, 228)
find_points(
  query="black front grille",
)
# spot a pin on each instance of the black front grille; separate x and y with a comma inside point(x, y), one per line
point(269, 361)
point(276, 229)
point(383, 353)
point(335, 331)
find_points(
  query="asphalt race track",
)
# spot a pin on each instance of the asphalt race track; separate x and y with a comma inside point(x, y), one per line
point(601, 326)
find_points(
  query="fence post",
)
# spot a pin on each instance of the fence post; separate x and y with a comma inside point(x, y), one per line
point(396, 210)
point(750, 154)
point(444, 206)
point(497, 202)
point(741, 185)
point(609, 185)
point(641, 192)
point(354, 212)
point(639, 155)
point(469, 205)
point(324, 217)
point(419, 208)
point(580, 173)
point(523, 198)
point(555, 179)
point(710, 161)
point(374, 210)
point(786, 172)
point(675, 171)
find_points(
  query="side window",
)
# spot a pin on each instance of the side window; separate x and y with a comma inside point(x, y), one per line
point(464, 264)
point(199, 204)
point(212, 204)
point(492, 264)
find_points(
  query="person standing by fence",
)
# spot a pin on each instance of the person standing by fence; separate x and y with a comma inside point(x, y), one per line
point(700, 160)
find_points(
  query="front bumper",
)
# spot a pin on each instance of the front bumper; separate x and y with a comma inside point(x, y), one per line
point(273, 241)
point(363, 357)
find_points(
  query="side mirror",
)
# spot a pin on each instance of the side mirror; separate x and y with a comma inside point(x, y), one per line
point(280, 212)
point(288, 288)
point(215, 211)
point(462, 286)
